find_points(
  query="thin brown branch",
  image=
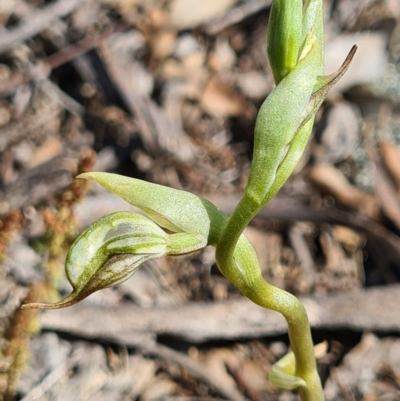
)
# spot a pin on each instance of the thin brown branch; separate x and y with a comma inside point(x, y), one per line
point(37, 23)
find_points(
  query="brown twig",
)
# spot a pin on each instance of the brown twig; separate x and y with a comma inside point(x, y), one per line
point(74, 51)
point(70, 53)
point(53, 377)
point(37, 23)
point(306, 280)
point(192, 366)
point(287, 209)
point(157, 130)
point(199, 322)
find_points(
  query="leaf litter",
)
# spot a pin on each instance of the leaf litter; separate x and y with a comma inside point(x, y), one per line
point(162, 91)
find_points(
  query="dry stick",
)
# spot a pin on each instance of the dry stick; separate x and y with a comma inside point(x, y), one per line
point(56, 60)
point(157, 130)
point(22, 10)
point(71, 53)
point(309, 270)
point(40, 70)
point(41, 20)
point(53, 377)
point(284, 208)
point(37, 23)
point(78, 49)
point(191, 365)
point(358, 310)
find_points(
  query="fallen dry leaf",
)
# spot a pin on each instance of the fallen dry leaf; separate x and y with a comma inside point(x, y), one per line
point(335, 183)
point(219, 99)
point(162, 43)
point(49, 149)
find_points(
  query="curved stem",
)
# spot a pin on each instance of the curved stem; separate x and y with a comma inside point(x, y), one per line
point(268, 296)
point(254, 287)
point(245, 210)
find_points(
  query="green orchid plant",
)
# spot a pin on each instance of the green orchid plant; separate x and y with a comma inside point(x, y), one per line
point(177, 222)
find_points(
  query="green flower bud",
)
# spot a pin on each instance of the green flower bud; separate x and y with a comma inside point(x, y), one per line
point(284, 36)
point(313, 21)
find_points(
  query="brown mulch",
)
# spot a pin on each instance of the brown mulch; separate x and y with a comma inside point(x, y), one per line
point(168, 91)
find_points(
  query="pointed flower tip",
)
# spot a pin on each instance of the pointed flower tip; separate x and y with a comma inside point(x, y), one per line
point(69, 300)
point(56, 305)
point(85, 176)
point(37, 305)
point(34, 305)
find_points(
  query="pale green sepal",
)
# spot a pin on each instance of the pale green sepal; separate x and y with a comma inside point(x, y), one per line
point(109, 252)
point(284, 36)
point(181, 243)
point(282, 374)
point(298, 144)
point(173, 209)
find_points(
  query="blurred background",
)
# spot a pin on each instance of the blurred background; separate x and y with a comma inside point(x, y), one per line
point(168, 91)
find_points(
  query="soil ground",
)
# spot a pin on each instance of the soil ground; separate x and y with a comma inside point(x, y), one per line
point(168, 91)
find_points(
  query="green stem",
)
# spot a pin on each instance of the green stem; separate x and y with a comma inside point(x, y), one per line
point(270, 297)
point(289, 306)
point(249, 206)
point(283, 126)
point(255, 288)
